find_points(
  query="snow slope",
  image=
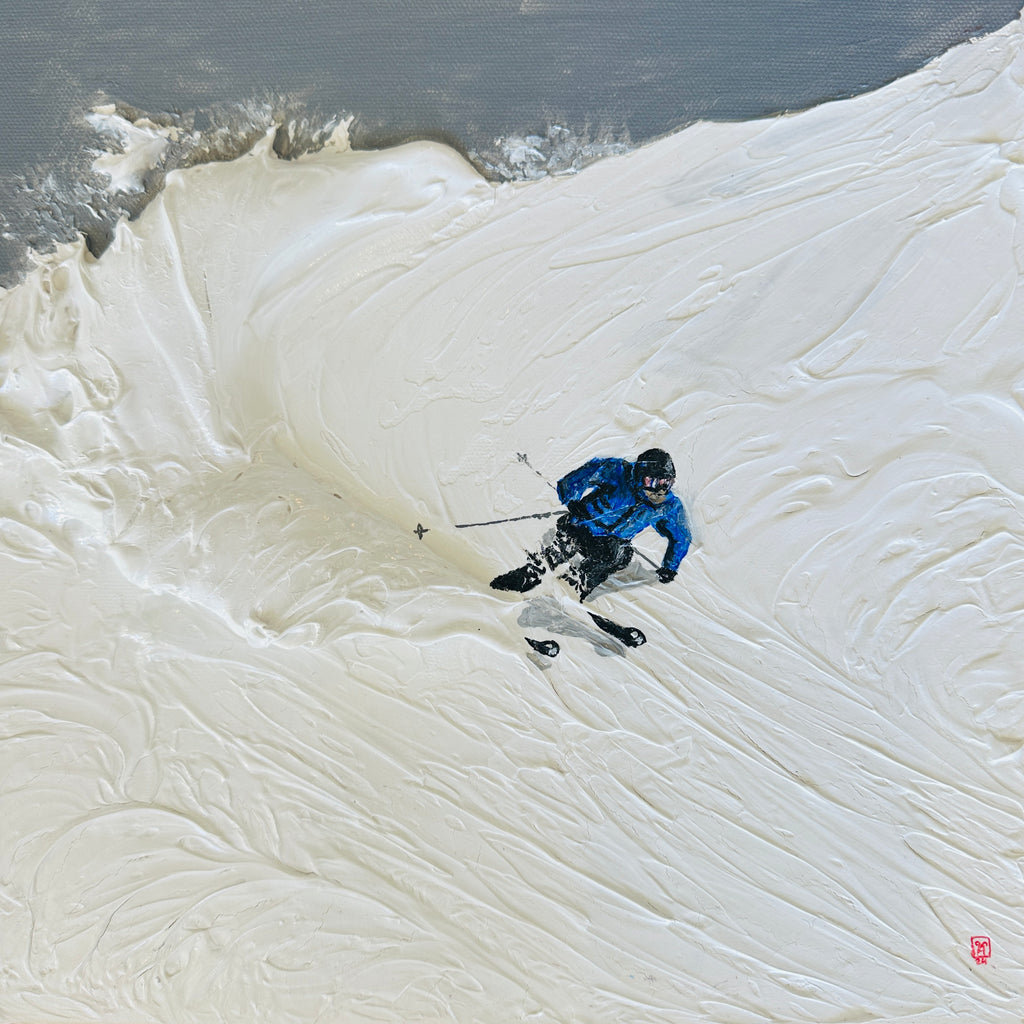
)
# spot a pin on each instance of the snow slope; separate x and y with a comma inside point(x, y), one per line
point(270, 756)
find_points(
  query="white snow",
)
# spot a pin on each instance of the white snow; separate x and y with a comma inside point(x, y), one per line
point(269, 756)
point(141, 143)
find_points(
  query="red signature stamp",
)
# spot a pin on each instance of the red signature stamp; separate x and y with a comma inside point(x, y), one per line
point(981, 948)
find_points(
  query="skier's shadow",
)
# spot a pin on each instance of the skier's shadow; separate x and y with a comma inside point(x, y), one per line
point(634, 576)
point(546, 613)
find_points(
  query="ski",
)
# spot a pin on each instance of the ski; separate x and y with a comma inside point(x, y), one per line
point(546, 612)
point(628, 635)
point(526, 577)
point(549, 648)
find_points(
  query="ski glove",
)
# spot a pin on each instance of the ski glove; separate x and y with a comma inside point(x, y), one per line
point(666, 575)
point(577, 509)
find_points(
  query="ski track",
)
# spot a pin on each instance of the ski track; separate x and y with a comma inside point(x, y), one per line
point(269, 756)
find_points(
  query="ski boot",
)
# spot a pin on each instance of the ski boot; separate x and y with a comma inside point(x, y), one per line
point(525, 578)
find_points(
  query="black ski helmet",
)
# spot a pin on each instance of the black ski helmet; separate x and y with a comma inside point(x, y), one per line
point(655, 462)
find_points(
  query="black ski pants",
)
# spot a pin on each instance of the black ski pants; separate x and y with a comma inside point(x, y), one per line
point(600, 556)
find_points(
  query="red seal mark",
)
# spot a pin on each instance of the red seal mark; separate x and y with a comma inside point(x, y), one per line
point(981, 948)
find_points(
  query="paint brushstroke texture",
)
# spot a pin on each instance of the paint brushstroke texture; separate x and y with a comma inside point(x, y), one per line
point(270, 754)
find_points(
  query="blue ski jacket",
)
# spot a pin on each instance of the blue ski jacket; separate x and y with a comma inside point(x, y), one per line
point(612, 504)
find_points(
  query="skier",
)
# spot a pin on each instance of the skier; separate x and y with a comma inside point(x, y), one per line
point(608, 502)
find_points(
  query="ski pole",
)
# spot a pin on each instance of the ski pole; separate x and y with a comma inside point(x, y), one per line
point(511, 519)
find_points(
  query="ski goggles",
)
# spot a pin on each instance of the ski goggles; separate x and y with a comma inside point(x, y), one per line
point(657, 484)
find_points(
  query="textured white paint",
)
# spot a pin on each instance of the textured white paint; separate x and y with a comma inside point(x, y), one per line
point(268, 756)
point(142, 146)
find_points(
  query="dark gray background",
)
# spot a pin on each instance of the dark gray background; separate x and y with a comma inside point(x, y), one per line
point(466, 72)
